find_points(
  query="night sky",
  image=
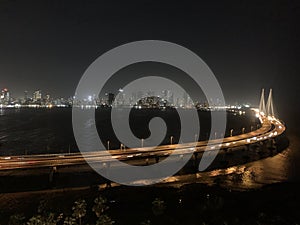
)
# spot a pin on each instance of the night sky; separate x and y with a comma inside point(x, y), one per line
point(48, 45)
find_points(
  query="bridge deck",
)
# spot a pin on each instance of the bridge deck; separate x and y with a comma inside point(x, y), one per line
point(270, 128)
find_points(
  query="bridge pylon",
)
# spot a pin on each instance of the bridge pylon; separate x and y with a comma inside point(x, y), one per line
point(270, 107)
point(262, 105)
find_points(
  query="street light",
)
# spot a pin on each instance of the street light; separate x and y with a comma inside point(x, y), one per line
point(231, 132)
point(171, 140)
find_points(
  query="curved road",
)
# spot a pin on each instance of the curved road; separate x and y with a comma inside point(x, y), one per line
point(270, 128)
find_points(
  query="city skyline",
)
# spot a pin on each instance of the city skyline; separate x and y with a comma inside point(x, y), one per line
point(250, 45)
point(119, 99)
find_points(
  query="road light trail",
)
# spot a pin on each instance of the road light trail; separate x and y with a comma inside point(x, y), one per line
point(270, 128)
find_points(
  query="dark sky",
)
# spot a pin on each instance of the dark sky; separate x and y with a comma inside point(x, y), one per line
point(248, 44)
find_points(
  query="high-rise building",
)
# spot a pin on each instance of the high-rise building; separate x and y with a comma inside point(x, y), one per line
point(110, 98)
point(47, 99)
point(168, 96)
point(25, 99)
point(37, 96)
point(120, 98)
point(5, 96)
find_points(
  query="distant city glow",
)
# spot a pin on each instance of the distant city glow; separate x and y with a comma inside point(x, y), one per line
point(137, 100)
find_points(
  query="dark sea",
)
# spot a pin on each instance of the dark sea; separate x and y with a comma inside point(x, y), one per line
point(40, 131)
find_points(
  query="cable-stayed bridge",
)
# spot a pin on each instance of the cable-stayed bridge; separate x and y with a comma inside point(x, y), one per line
point(270, 128)
point(267, 109)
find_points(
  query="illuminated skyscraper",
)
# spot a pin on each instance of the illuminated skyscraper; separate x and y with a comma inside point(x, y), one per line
point(5, 96)
point(47, 99)
point(37, 96)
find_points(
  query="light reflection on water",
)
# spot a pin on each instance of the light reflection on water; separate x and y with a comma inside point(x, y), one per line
point(283, 167)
